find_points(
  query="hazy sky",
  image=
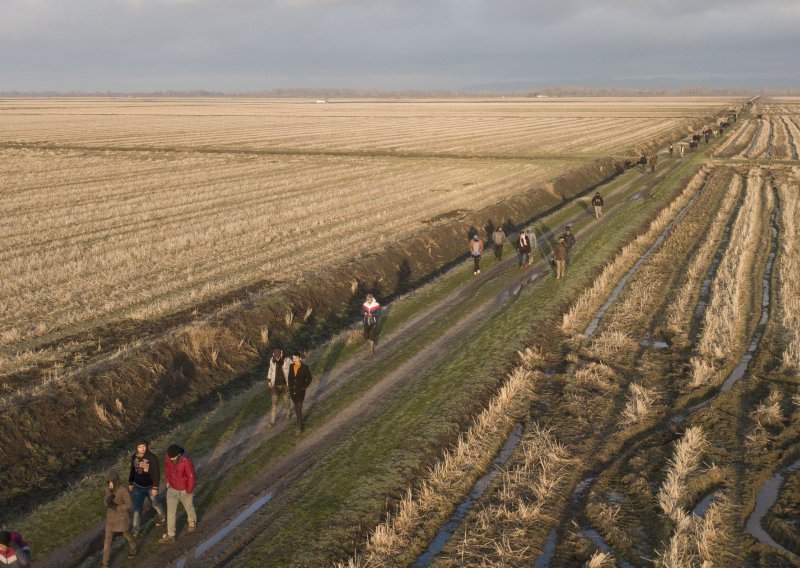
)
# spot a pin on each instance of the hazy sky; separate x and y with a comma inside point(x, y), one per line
point(243, 45)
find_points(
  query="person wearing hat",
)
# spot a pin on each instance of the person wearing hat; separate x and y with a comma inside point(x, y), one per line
point(299, 379)
point(277, 372)
point(560, 257)
point(180, 477)
point(143, 481)
point(370, 312)
point(597, 203)
point(13, 550)
point(118, 504)
point(475, 251)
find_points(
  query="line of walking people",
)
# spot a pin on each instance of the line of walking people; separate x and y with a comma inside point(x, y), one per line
point(526, 243)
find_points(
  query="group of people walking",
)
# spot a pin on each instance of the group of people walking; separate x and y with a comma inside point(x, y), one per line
point(125, 503)
point(527, 242)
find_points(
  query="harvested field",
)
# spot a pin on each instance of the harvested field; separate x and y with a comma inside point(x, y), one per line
point(129, 224)
point(623, 457)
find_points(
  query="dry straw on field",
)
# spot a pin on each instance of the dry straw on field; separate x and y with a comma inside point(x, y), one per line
point(601, 560)
point(679, 313)
point(759, 149)
point(693, 539)
point(517, 507)
point(592, 299)
point(789, 270)
point(726, 316)
point(120, 211)
point(639, 405)
point(445, 482)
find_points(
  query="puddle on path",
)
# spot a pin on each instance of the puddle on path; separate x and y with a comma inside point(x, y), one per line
point(764, 501)
point(543, 560)
point(449, 528)
point(701, 508)
point(592, 327)
point(217, 537)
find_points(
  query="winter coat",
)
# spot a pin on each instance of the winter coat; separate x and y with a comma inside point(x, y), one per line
point(475, 247)
point(272, 371)
point(145, 471)
point(560, 252)
point(499, 237)
point(370, 312)
point(299, 381)
point(180, 475)
point(118, 505)
point(597, 201)
point(569, 239)
point(524, 244)
point(17, 553)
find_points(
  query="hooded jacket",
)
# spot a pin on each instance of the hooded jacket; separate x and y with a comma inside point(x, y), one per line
point(371, 311)
point(272, 370)
point(17, 552)
point(118, 504)
point(145, 471)
point(180, 475)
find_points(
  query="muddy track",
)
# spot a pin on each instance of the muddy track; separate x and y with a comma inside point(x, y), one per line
point(281, 472)
point(790, 138)
point(668, 428)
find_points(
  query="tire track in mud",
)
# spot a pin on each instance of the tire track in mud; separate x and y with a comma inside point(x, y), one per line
point(643, 440)
point(695, 327)
point(790, 138)
point(768, 494)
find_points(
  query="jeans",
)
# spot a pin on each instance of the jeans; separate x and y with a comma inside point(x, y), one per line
point(139, 495)
point(187, 500)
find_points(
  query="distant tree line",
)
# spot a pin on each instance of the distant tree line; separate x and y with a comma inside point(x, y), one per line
point(555, 91)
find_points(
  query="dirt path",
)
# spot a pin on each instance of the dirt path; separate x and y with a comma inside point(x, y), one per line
point(280, 472)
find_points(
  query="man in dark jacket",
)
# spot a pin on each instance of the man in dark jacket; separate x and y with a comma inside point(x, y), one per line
point(597, 203)
point(118, 504)
point(180, 477)
point(299, 379)
point(143, 481)
point(13, 550)
point(569, 241)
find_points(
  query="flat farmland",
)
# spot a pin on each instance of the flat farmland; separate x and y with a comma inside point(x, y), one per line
point(134, 209)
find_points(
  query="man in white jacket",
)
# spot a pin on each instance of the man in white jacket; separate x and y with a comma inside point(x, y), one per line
point(277, 373)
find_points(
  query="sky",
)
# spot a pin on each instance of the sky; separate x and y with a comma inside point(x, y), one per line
point(255, 45)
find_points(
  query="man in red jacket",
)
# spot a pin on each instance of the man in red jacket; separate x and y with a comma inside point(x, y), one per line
point(180, 478)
